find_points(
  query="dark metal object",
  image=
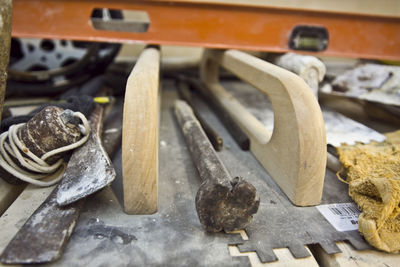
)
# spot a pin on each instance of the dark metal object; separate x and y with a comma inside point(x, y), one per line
point(50, 66)
point(177, 238)
point(106, 236)
point(213, 136)
point(112, 133)
point(89, 170)
point(222, 203)
point(138, 21)
point(278, 223)
point(45, 132)
point(23, 50)
point(309, 38)
point(43, 237)
point(53, 82)
point(237, 133)
point(5, 41)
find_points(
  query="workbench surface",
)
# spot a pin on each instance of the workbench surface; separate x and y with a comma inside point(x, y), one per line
point(106, 236)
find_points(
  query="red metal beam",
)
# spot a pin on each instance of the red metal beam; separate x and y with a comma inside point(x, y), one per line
point(211, 25)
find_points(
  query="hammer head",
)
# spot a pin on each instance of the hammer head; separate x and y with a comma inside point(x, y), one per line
point(226, 206)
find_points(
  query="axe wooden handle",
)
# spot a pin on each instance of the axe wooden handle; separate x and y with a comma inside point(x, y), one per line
point(140, 135)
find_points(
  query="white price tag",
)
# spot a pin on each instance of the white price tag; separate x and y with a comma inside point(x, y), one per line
point(343, 216)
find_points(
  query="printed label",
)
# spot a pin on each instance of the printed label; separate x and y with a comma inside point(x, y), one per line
point(342, 216)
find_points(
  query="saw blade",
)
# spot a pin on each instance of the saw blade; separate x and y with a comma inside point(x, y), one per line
point(339, 128)
point(343, 130)
point(372, 82)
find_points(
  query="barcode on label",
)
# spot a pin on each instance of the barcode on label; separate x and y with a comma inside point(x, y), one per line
point(343, 216)
point(344, 210)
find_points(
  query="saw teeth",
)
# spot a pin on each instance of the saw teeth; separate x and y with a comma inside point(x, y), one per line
point(299, 251)
point(330, 247)
point(357, 244)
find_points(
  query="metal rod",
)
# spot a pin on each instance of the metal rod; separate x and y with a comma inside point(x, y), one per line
point(222, 203)
point(213, 136)
point(233, 128)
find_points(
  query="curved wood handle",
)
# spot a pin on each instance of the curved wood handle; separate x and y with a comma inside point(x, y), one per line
point(295, 154)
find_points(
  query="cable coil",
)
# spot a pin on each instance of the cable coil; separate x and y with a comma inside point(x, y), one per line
point(38, 168)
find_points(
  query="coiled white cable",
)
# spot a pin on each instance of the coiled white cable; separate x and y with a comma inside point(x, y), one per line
point(30, 161)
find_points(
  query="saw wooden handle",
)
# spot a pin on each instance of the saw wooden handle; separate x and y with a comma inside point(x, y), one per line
point(140, 135)
point(295, 153)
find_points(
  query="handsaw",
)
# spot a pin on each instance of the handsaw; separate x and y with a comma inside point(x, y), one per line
point(43, 237)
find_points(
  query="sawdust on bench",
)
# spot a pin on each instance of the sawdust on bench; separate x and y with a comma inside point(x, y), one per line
point(373, 174)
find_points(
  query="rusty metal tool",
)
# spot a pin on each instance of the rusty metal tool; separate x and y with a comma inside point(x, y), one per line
point(233, 128)
point(41, 137)
point(43, 237)
point(88, 171)
point(222, 203)
point(45, 132)
point(213, 136)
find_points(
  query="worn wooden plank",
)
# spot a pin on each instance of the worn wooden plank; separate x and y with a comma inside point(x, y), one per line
point(140, 135)
point(295, 153)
